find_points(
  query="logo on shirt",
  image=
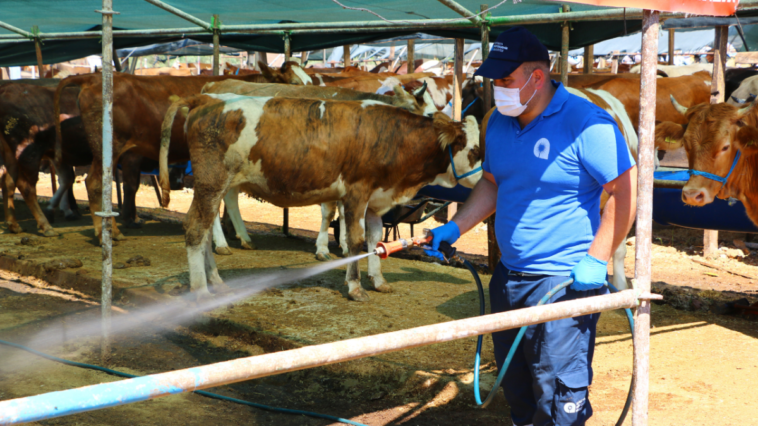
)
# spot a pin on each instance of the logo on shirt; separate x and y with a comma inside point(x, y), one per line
point(542, 148)
point(572, 408)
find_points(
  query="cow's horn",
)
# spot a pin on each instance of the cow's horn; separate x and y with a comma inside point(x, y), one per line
point(421, 90)
point(738, 100)
point(682, 110)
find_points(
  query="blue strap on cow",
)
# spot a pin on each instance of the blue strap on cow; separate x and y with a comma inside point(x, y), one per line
point(455, 173)
point(686, 174)
point(469, 105)
point(237, 72)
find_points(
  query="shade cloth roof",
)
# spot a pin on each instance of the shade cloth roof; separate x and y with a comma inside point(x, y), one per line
point(79, 15)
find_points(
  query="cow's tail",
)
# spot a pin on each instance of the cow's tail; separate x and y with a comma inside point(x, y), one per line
point(168, 124)
point(69, 81)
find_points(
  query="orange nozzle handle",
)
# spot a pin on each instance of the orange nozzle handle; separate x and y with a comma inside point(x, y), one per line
point(383, 250)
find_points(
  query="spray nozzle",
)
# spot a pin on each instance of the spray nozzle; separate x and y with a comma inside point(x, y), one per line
point(383, 250)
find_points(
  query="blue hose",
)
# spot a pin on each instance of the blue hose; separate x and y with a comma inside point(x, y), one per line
point(203, 393)
point(520, 335)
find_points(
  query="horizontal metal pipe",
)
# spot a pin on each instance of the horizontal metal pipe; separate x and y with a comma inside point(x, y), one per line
point(181, 14)
point(16, 30)
point(57, 404)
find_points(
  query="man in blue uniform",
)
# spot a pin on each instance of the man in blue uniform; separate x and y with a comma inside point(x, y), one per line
point(548, 157)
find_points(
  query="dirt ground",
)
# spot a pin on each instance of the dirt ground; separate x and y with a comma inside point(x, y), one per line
point(702, 364)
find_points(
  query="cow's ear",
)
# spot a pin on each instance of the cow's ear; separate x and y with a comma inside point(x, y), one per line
point(447, 130)
point(265, 70)
point(669, 136)
point(747, 139)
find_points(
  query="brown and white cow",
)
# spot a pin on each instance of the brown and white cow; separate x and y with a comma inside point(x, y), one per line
point(712, 137)
point(296, 152)
point(399, 99)
point(26, 112)
point(139, 105)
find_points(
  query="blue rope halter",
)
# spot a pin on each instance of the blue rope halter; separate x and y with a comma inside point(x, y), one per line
point(455, 173)
point(469, 105)
point(686, 174)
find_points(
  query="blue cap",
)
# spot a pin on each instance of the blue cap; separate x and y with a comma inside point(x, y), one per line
point(512, 48)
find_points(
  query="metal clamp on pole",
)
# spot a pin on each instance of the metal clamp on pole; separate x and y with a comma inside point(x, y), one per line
point(108, 12)
point(106, 214)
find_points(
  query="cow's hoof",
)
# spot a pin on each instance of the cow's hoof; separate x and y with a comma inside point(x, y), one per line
point(50, 216)
point(359, 295)
point(221, 288)
point(223, 251)
point(204, 297)
point(119, 237)
point(247, 246)
point(380, 285)
point(323, 257)
point(50, 233)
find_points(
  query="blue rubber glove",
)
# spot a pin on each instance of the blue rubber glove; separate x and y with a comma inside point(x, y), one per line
point(589, 274)
point(448, 232)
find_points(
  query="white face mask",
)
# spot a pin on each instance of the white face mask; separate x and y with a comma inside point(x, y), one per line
point(508, 101)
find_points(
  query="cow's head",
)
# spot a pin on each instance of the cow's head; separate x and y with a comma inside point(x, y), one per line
point(462, 140)
point(290, 73)
point(711, 137)
point(410, 102)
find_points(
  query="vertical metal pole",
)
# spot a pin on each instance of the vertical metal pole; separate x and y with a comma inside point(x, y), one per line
point(644, 232)
point(116, 60)
point(457, 78)
point(487, 83)
point(38, 51)
point(323, 57)
point(287, 47)
point(251, 59)
point(589, 59)
point(410, 68)
point(346, 55)
point(216, 47)
point(672, 47)
point(107, 213)
point(565, 49)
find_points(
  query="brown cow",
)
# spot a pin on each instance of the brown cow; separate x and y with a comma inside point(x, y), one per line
point(25, 112)
point(690, 90)
point(140, 102)
point(401, 100)
point(298, 152)
point(712, 137)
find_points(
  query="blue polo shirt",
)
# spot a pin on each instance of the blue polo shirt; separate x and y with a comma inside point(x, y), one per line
point(550, 176)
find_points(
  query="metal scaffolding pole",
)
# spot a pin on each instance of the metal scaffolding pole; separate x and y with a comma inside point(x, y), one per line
point(216, 47)
point(672, 47)
point(487, 92)
point(107, 214)
point(565, 47)
point(644, 231)
point(457, 78)
point(346, 56)
point(181, 14)
point(38, 51)
point(410, 67)
point(589, 59)
point(89, 398)
point(458, 8)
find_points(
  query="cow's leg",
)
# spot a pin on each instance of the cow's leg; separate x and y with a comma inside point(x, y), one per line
point(343, 233)
point(94, 184)
point(9, 190)
point(196, 240)
point(211, 270)
point(27, 185)
point(233, 210)
point(619, 275)
point(355, 213)
point(62, 197)
point(130, 170)
point(222, 247)
point(328, 210)
point(373, 236)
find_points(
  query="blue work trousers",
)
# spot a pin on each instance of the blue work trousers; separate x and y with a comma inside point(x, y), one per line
point(546, 382)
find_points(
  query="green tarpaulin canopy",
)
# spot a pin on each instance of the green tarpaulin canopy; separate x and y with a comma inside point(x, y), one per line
point(79, 15)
